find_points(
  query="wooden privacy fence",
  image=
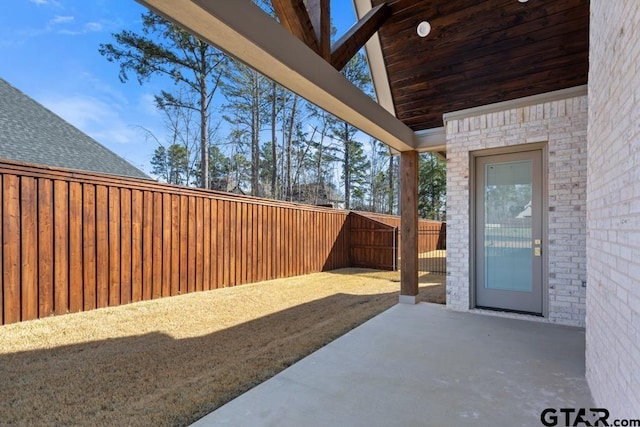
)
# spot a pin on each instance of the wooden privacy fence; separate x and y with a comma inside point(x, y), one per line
point(432, 235)
point(373, 243)
point(74, 241)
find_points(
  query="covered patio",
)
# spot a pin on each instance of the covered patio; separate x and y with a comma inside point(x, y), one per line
point(498, 86)
point(424, 365)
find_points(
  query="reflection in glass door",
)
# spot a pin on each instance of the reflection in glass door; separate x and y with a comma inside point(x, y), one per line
point(509, 232)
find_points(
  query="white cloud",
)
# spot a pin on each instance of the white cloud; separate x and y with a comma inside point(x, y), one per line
point(54, 3)
point(89, 27)
point(128, 128)
point(67, 25)
point(93, 26)
point(100, 119)
point(61, 20)
point(147, 104)
point(116, 126)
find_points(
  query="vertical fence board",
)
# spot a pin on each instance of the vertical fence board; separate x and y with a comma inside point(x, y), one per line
point(270, 240)
point(302, 241)
point(238, 239)
point(258, 245)
point(60, 246)
point(166, 244)
point(214, 245)
point(265, 261)
point(293, 234)
point(316, 247)
point(157, 246)
point(114, 246)
point(267, 240)
point(336, 241)
point(295, 247)
point(246, 241)
point(197, 232)
point(75, 247)
point(252, 264)
point(29, 251)
point(332, 222)
point(191, 244)
point(206, 245)
point(275, 249)
point(286, 246)
point(102, 246)
point(231, 224)
point(89, 246)
point(136, 245)
point(285, 223)
point(222, 254)
point(290, 228)
point(324, 241)
point(330, 242)
point(2, 321)
point(278, 256)
point(45, 249)
point(255, 266)
point(175, 244)
point(306, 242)
point(147, 245)
point(231, 236)
point(125, 246)
point(184, 243)
point(299, 259)
point(11, 248)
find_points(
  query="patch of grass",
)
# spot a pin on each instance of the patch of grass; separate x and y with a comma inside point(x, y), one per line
point(171, 361)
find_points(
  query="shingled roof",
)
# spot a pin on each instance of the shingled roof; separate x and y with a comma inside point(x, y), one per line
point(31, 133)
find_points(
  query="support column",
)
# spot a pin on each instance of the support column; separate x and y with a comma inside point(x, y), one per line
point(409, 226)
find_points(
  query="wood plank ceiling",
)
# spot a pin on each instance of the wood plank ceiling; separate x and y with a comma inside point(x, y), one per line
point(478, 52)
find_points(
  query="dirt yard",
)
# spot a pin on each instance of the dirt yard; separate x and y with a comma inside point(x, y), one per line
point(171, 361)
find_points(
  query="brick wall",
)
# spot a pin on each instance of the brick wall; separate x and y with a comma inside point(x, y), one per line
point(613, 202)
point(562, 124)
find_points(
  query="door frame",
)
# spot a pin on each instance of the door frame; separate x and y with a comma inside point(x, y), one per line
point(473, 155)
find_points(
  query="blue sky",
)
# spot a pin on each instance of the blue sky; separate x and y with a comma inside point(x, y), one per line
point(49, 50)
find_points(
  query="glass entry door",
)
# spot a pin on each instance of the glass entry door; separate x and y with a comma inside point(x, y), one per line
point(509, 232)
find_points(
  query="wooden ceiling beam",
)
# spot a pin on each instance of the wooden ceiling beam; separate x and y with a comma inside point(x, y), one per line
point(320, 15)
point(293, 15)
point(354, 39)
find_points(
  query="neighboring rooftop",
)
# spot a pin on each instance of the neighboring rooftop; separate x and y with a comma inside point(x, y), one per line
point(31, 133)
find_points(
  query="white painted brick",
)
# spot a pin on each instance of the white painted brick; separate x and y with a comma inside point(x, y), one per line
point(613, 264)
point(565, 134)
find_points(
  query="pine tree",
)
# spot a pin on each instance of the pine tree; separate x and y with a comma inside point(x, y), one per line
point(172, 164)
point(432, 186)
point(247, 93)
point(165, 49)
point(353, 160)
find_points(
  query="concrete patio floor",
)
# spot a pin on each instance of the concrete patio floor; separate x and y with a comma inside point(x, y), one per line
point(422, 365)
